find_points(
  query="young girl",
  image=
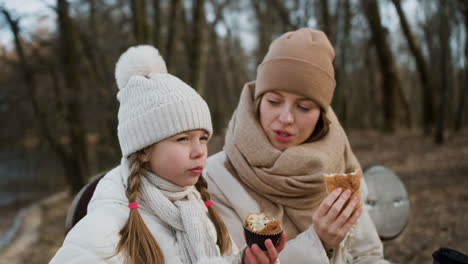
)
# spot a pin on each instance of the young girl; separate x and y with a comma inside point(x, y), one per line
point(154, 207)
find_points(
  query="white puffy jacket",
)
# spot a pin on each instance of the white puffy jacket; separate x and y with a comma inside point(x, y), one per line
point(95, 237)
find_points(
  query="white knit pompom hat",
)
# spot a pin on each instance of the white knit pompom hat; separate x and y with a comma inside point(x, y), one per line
point(154, 105)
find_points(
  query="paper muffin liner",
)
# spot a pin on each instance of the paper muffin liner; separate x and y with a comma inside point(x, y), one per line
point(252, 237)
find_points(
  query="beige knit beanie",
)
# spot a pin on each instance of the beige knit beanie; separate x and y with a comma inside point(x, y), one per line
point(154, 104)
point(299, 62)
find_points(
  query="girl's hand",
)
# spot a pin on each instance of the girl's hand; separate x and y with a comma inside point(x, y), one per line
point(331, 223)
point(255, 255)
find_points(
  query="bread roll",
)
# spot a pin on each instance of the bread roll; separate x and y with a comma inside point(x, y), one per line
point(345, 181)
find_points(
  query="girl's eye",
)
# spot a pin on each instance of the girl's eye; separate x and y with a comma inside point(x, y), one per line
point(204, 138)
point(182, 139)
point(271, 101)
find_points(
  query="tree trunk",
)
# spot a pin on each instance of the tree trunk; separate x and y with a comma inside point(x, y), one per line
point(426, 84)
point(215, 97)
point(140, 22)
point(390, 79)
point(341, 92)
point(222, 102)
point(70, 60)
point(462, 98)
point(325, 21)
point(283, 13)
point(373, 106)
point(196, 54)
point(239, 72)
point(98, 59)
point(172, 33)
point(263, 12)
point(445, 55)
point(157, 23)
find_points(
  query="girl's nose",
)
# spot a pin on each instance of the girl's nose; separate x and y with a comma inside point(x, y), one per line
point(286, 117)
point(197, 150)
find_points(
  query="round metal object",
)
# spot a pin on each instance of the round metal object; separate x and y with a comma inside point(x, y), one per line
point(387, 202)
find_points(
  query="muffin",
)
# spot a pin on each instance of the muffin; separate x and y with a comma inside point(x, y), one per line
point(258, 228)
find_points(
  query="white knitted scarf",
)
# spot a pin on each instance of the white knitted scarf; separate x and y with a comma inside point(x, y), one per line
point(182, 209)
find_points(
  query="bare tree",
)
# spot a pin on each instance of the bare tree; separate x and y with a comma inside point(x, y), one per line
point(176, 8)
point(325, 19)
point(423, 69)
point(462, 97)
point(444, 34)
point(341, 92)
point(157, 23)
point(140, 21)
point(391, 84)
point(223, 99)
point(78, 168)
point(284, 14)
point(196, 54)
point(75, 164)
point(263, 12)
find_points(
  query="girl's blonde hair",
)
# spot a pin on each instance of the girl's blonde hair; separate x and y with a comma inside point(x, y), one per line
point(321, 128)
point(136, 241)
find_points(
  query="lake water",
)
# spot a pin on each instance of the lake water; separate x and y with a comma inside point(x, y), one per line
point(25, 177)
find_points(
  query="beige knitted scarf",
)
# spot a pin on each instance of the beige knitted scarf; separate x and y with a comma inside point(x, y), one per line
point(286, 184)
point(182, 209)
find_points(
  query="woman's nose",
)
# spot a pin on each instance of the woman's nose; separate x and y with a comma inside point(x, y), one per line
point(286, 117)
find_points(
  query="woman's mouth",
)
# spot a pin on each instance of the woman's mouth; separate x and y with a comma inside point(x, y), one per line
point(282, 135)
point(196, 170)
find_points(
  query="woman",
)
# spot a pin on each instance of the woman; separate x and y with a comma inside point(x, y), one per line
point(281, 139)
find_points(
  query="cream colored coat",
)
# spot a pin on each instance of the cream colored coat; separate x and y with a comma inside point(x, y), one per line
point(233, 203)
point(94, 238)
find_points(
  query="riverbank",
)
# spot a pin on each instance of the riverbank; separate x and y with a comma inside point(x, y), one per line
point(434, 176)
point(41, 231)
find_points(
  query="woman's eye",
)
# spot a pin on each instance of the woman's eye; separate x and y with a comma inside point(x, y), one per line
point(302, 107)
point(271, 101)
point(182, 139)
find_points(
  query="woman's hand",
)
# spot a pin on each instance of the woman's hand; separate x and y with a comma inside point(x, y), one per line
point(331, 223)
point(255, 255)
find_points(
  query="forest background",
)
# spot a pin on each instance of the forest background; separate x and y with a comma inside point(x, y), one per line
point(400, 65)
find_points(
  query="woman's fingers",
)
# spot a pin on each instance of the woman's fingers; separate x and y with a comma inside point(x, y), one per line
point(351, 221)
point(346, 213)
point(328, 202)
point(338, 205)
point(334, 224)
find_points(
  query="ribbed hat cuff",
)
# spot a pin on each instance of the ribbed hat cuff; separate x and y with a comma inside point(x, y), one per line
point(162, 123)
point(296, 76)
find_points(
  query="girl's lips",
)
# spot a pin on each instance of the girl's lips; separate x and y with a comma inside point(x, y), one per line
point(196, 170)
point(282, 136)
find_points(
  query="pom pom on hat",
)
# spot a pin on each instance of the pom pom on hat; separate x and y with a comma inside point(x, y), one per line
point(139, 60)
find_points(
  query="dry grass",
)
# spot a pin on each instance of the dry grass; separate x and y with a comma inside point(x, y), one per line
point(436, 180)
